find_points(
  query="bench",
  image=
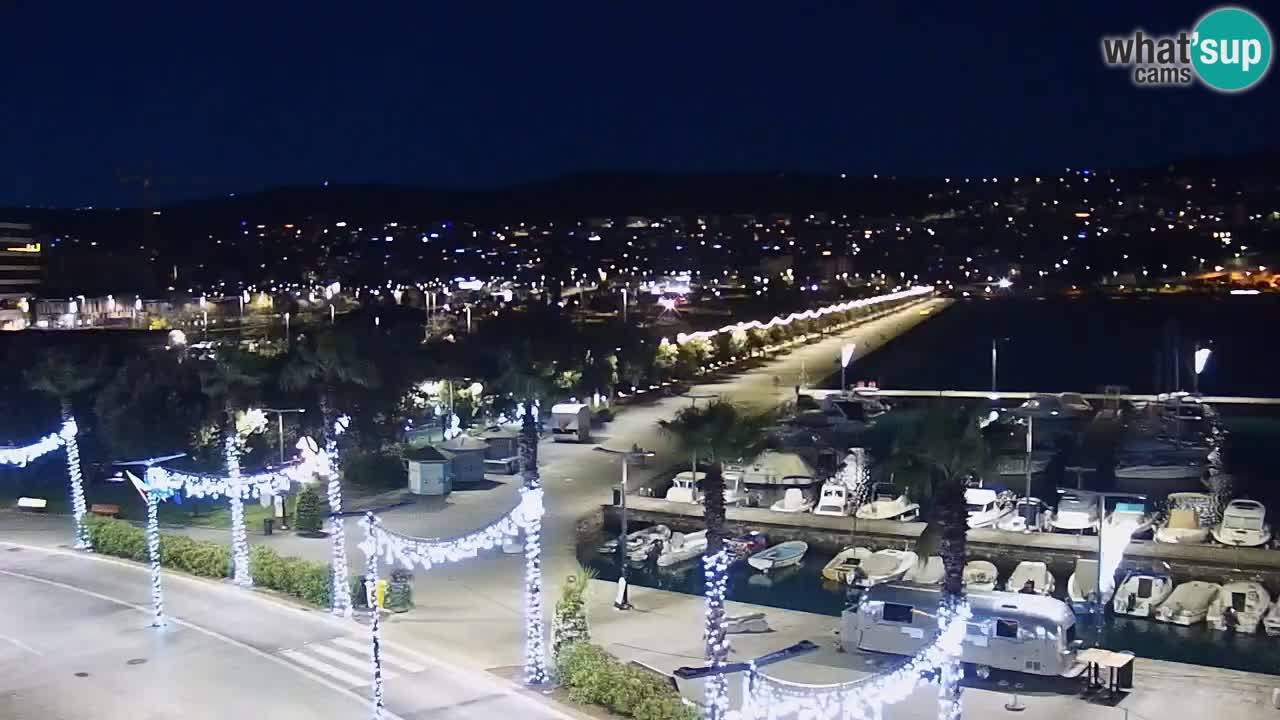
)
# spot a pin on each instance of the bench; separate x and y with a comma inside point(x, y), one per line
point(105, 509)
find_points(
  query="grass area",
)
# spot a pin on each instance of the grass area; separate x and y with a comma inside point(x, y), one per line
point(204, 512)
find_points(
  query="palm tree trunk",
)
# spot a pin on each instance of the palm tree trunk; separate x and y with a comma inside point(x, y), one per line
point(239, 538)
point(535, 663)
point(716, 574)
point(955, 525)
point(339, 592)
point(75, 476)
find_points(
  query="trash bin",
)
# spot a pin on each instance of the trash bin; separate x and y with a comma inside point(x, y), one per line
point(268, 525)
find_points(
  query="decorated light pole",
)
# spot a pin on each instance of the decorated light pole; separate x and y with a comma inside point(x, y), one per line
point(535, 656)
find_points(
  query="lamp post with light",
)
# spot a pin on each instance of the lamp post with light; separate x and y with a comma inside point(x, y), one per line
point(621, 601)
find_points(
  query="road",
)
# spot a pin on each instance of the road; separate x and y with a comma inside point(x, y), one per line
point(76, 642)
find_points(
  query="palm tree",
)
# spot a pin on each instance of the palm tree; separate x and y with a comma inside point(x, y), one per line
point(59, 375)
point(942, 451)
point(228, 378)
point(718, 431)
point(331, 359)
point(535, 665)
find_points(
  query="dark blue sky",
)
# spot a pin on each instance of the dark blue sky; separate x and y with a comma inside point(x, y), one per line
point(474, 94)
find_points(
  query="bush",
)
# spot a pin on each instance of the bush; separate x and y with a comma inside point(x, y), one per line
point(595, 677)
point(307, 516)
point(307, 581)
point(374, 470)
point(399, 591)
point(569, 625)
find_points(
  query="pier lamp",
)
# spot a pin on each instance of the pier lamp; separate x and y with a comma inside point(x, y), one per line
point(635, 454)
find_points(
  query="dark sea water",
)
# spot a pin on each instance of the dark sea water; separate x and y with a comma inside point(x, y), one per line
point(1070, 345)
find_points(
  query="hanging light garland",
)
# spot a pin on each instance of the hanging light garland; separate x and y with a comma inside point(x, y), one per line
point(399, 550)
point(767, 698)
point(917, 291)
point(66, 436)
point(21, 456)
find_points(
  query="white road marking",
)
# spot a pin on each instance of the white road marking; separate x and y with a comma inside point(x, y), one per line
point(20, 645)
point(401, 663)
point(321, 666)
point(361, 664)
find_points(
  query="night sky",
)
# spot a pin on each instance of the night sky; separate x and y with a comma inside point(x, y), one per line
point(478, 94)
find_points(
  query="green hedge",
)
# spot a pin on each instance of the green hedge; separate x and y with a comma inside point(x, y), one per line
point(292, 576)
point(595, 677)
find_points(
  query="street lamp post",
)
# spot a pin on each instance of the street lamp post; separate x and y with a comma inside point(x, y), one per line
point(995, 342)
point(280, 413)
point(621, 601)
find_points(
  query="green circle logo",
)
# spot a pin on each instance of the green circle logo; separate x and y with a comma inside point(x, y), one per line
point(1231, 49)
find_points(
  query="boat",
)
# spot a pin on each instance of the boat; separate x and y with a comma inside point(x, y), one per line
point(835, 499)
point(1238, 606)
point(882, 566)
point(853, 406)
point(1030, 577)
point(684, 487)
point(1082, 586)
point(1189, 603)
point(1156, 467)
point(745, 545)
point(1029, 515)
point(888, 504)
point(776, 577)
point(1141, 593)
point(1045, 406)
point(1128, 517)
point(1271, 623)
point(984, 507)
point(681, 547)
point(980, 575)
point(1243, 524)
point(779, 556)
point(1011, 465)
point(771, 470)
point(793, 501)
point(1188, 520)
point(638, 541)
point(1077, 512)
point(840, 567)
point(927, 571)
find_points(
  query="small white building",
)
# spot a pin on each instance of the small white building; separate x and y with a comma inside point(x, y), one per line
point(571, 422)
point(468, 458)
point(430, 471)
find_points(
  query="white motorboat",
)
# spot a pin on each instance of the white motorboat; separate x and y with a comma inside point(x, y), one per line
point(1029, 515)
point(1189, 603)
point(1188, 519)
point(882, 566)
point(1077, 512)
point(1238, 606)
point(1044, 406)
point(684, 488)
point(1154, 467)
point(1244, 524)
point(888, 504)
point(771, 470)
point(638, 541)
point(984, 507)
point(1271, 623)
point(1082, 586)
point(1030, 577)
point(927, 571)
point(779, 556)
point(1141, 593)
point(681, 547)
point(980, 575)
point(835, 499)
point(1130, 517)
point(840, 567)
point(793, 501)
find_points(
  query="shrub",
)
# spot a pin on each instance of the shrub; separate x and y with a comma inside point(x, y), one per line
point(375, 470)
point(399, 591)
point(595, 677)
point(307, 520)
point(569, 625)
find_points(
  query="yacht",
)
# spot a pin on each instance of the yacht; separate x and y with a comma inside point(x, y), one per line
point(772, 470)
point(1189, 603)
point(888, 504)
point(1187, 522)
point(793, 501)
point(835, 499)
point(927, 571)
point(1158, 467)
point(1238, 606)
point(1141, 593)
point(1082, 586)
point(1077, 512)
point(1029, 515)
point(882, 566)
point(684, 487)
point(681, 547)
point(1243, 524)
point(1031, 576)
point(980, 575)
point(984, 507)
point(854, 405)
